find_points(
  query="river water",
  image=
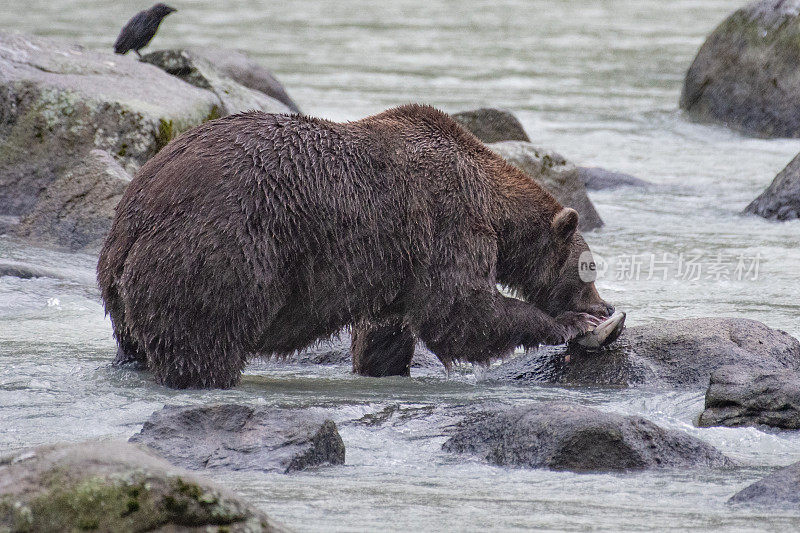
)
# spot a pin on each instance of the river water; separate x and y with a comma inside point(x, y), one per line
point(598, 81)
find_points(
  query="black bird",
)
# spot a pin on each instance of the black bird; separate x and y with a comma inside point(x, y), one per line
point(141, 29)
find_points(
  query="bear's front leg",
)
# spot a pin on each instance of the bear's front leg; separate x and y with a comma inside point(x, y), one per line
point(382, 348)
point(483, 325)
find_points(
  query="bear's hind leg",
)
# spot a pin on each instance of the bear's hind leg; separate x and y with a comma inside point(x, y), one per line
point(188, 367)
point(129, 353)
point(382, 349)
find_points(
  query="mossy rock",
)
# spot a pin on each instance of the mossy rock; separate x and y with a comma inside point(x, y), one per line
point(746, 74)
point(114, 486)
point(59, 102)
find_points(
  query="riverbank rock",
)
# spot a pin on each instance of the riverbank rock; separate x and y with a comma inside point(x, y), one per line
point(241, 437)
point(556, 174)
point(600, 179)
point(745, 74)
point(200, 72)
point(242, 68)
point(743, 396)
point(779, 489)
point(781, 200)
point(563, 436)
point(114, 486)
point(58, 103)
point(492, 125)
point(672, 354)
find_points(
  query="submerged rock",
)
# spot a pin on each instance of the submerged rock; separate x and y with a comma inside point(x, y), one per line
point(743, 396)
point(673, 354)
point(240, 437)
point(556, 174)
point(114, 486)
point(243, 69)
point(200, 72)
point(492, 125)
point(599, 179)
point(563, 436)
point(779, 489)
point(745, 74)
point(781, 200)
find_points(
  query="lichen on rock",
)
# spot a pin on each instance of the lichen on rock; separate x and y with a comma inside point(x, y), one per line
point(113, 486)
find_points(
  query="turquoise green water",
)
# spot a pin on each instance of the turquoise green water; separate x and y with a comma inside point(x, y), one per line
point(597, 81)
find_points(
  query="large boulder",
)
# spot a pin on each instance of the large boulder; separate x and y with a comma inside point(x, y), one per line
point(241, 437)
point(781, 200)
point(671, 354)
point(245, 70)
point(564, 436)
point(58, 102)
point(743, 396)
point(492, 125)
point(779, 489)
point(556, 174)
point(114, 486)
point(745, 75)
point(200, 72)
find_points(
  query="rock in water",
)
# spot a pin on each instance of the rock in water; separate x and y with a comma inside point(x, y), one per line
point(240, 437)
point(600, 179)
point(492, 125)
point(201, 73)
point(563, 436)
point(671, 354)
point(779, 489)
point(114, 486)
point(555, 174)
point(58, 102)
point(781, 200)
point(745, 74)
point(76, 210)
point(744, 396)
point(240, 67)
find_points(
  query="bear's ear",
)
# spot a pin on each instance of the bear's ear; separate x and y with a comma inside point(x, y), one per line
point(565, 223)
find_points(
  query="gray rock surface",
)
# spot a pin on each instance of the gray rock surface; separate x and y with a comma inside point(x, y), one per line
point(743, 396)
point(556, 174)
point(781, 200)
point(564, 436)
point(241, 437)
point(671, 354)
point(599, 179)
point(745, 75)
point(779, 489)
point(492, 125)
point(242, 68)
point(200, 72)
point(114, 486)
point(77, 209)
point(59, 101)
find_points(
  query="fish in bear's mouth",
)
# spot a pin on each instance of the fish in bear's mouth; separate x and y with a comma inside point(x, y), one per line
point(604, 333)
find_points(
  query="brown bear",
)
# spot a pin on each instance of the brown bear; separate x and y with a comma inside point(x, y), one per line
point(260, 234)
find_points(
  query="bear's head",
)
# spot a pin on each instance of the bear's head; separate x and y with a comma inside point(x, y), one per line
point(557, 275)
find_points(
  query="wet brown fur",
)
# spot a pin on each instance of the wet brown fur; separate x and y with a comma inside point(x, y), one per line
point(260, 234)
